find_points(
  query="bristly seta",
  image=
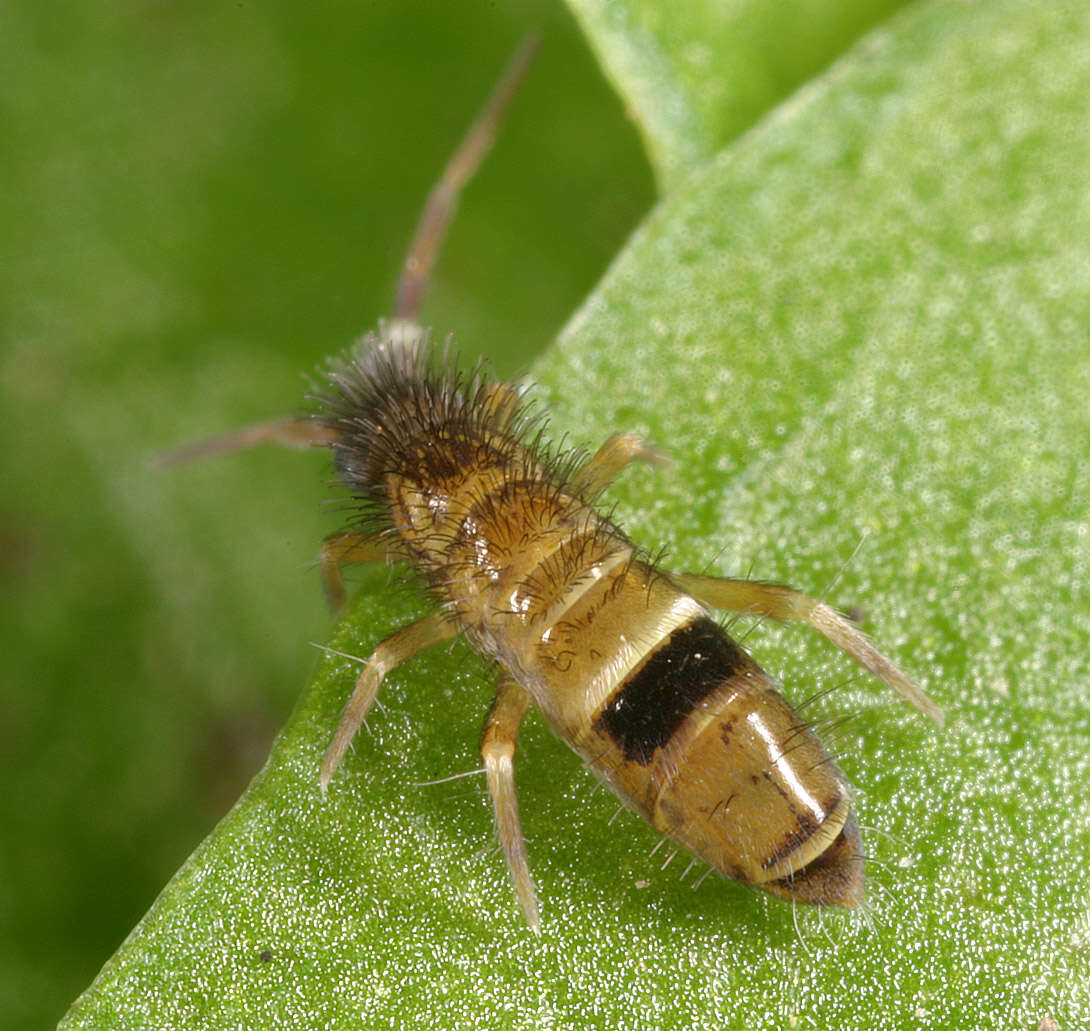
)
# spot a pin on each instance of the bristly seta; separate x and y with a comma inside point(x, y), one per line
point(449, 473)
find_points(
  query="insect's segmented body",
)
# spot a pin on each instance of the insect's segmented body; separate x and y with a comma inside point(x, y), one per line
point(622, 658)
point(626, 667)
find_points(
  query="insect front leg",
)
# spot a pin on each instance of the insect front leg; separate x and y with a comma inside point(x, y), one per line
point(604, 465)
point(501, 731)
point(341, 549)
point(786, 605)
point(391, 653)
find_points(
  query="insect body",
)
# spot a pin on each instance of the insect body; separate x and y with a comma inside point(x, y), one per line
point(623, 659)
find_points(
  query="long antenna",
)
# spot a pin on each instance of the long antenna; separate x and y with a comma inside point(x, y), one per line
point(443, 199)
point(430, 230)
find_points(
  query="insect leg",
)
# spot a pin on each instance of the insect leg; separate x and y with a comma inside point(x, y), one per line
point(785, 604)
point(612, 457)
point(391, 653)
point(443, 198)
point(501, 731)
point(341, 549)
point(287, 431)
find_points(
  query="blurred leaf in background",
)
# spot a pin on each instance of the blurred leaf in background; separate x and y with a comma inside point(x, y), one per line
point(202, 201)
point(699, 74)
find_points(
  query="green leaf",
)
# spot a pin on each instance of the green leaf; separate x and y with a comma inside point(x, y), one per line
point(865, 325)
point(698, 74)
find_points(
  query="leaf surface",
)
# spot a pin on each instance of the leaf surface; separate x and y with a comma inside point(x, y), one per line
point(696, 75)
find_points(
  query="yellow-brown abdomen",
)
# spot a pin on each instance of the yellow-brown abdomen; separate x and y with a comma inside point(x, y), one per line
point(698, 740)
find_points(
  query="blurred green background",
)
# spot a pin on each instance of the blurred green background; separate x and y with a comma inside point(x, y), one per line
point(200, 202)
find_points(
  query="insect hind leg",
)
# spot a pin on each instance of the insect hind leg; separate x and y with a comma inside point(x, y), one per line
point(787, 605)
point(498, 751)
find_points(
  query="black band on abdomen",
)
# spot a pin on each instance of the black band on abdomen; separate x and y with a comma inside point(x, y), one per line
point(645, 712)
